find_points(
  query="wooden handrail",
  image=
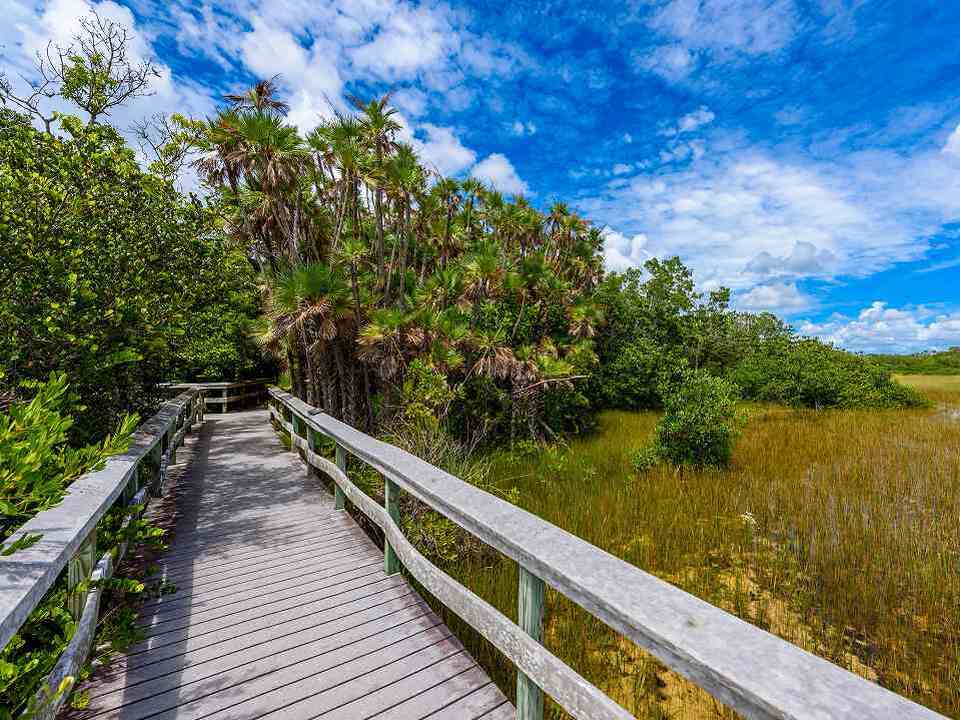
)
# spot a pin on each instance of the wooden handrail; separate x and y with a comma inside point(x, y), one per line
point(67, 535)
point(742, 666)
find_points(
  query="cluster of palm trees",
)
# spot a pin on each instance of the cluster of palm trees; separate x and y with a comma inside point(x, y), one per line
point(371, 261)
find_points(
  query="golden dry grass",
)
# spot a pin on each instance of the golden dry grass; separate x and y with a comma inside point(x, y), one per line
point(837, 530)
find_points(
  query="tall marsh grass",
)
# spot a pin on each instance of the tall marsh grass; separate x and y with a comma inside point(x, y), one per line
point(837, 530)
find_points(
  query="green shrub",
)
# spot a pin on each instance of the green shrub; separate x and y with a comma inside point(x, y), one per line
point(646, 458)
point(805, 372)
point(36, 465)
point(36, 469)
point(701, 422)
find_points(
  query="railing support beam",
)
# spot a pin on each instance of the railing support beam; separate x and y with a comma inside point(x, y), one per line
point(530, 596)
point(78, 570)
point(391, 502)
point(339, 499)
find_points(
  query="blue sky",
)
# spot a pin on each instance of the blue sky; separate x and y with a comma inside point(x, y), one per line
point(805, 153)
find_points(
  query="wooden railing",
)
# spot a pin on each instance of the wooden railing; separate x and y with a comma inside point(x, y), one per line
point(742, 666)
point(219, 396)
point(67, 539)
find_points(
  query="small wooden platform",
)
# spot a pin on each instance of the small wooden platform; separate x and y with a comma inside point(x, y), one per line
point(282, 608)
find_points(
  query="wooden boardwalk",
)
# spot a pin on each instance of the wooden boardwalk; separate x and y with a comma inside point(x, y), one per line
point(282, 608)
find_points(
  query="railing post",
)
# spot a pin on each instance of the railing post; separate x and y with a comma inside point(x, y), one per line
point(339, 499)
point(391, 501)
point(79, 569)
point(171, 431)
point(295, 425)
point(530, 619)
point(157, 461)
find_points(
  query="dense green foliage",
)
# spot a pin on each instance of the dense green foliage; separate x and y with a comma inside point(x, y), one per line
point(946, 362)
point(371, 265)
point(220, 344)
point(36, 463)
point(804, 372)
point(700, 421)
point(104, 270)
point(658, 324)
point(36, 468)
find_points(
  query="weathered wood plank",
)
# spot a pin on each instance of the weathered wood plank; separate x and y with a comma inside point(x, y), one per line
point(479, 702)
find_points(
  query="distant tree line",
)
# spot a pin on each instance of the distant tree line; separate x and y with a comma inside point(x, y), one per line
point(946, 362)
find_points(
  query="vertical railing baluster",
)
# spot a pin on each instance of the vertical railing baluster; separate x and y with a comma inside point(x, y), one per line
point(391, 502)
point(79, 569)
point(530, 619)
point(339, 499)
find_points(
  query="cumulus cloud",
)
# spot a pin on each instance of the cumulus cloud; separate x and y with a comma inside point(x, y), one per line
point(672, 62)
point(720, 29)
point(621, 252)
point(441, 149)
point(779, 298)
point(804, 260)
point(694, 120)
point(880, 328)
point(741, 218)
point(498, 171)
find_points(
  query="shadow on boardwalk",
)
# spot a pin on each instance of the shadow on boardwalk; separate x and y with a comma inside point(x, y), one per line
point(282, 607)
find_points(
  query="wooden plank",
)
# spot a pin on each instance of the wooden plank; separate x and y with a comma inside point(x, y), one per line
point(188, 627)
point(744, 667)
point(503, 712)
point(262, 686)
point(283, 652)
point(448, 674)
point(256, 630)
point(530, 619)
point(444, 694)
point(479, 703)
point(325, 691)
point(199, 612)
point(358, 619)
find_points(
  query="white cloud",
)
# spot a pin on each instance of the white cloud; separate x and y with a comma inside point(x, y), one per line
point(879, 328)
point(408, 39)
point(520, 128)
point(694, 120)
point(780, 298)
point(749, 26)
point(621, 168)
point(952, 146)
point(443, 150)
point(627, 138)
point(743, 218)
point(497, 170)
point(621, 252)
point(722, 29)
point(410, 100)
point(671, 62)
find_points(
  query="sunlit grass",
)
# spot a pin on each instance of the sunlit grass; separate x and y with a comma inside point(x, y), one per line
point(939, 388)
point(836, 530)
